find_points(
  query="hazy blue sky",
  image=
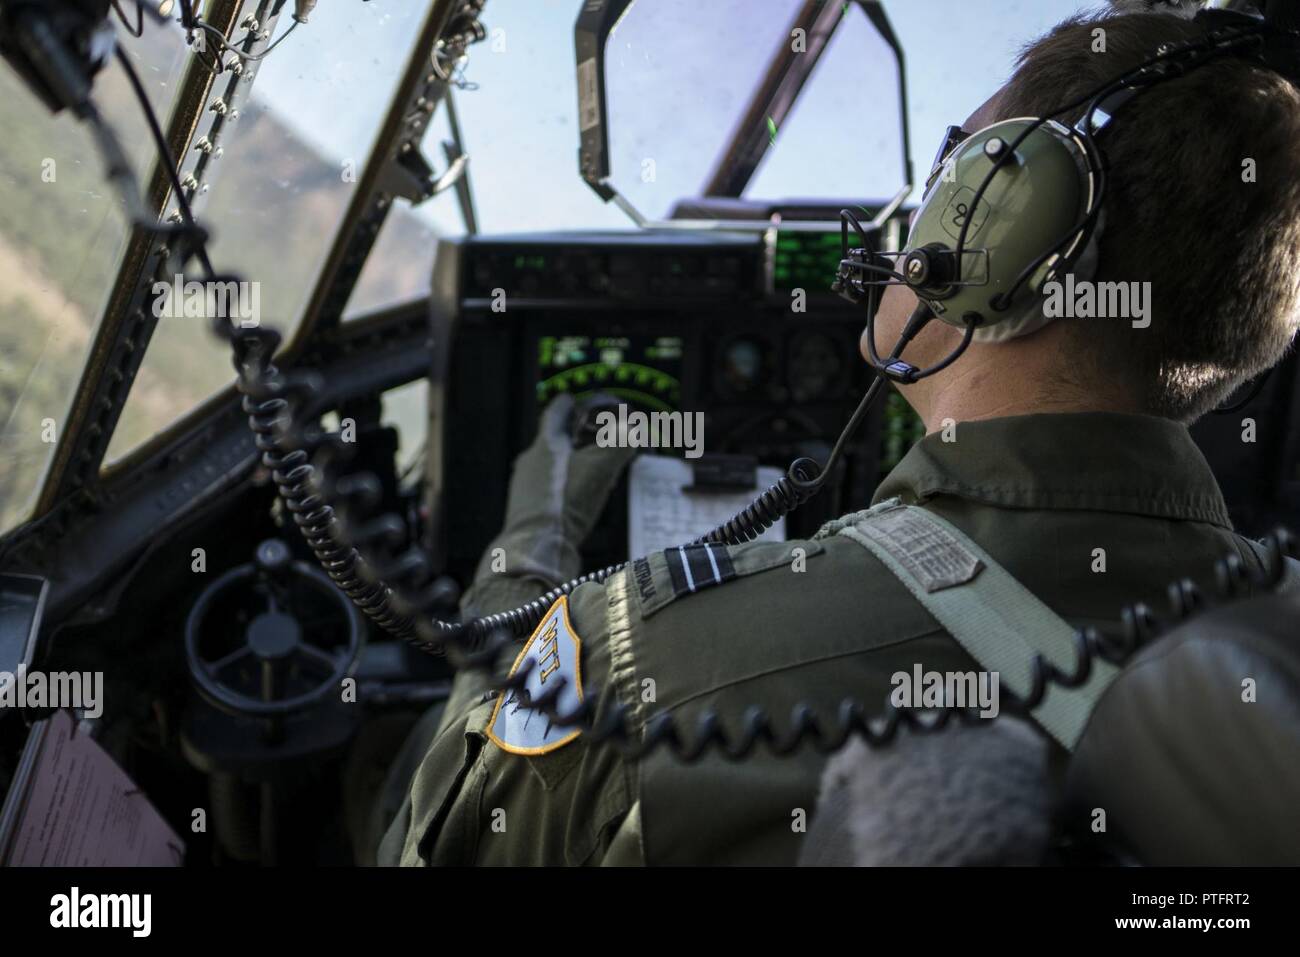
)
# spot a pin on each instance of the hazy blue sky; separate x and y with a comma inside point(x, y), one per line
point(681, 65)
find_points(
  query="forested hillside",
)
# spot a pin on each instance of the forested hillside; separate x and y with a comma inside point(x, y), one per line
point(273, 206)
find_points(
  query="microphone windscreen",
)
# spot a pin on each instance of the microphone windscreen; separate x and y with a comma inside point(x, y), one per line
point(964, 795)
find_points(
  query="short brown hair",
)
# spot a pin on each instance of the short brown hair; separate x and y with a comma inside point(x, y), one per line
point(1222, 254)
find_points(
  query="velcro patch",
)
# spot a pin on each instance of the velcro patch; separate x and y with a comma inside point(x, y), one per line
point(556, 652)
point(929, 553)
point(693, 567)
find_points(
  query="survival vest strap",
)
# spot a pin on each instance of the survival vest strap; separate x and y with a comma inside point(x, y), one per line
point(998, 621)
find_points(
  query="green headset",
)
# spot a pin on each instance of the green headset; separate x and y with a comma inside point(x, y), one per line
point(1010, 208)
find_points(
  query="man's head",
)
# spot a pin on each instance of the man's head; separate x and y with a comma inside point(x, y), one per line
point(1203, 203)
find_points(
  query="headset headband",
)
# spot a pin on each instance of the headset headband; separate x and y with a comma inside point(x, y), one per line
point(979, 286)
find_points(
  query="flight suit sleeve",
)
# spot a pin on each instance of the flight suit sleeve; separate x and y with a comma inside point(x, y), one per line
point(557, 492)
point(473, 802)
point(489, 593)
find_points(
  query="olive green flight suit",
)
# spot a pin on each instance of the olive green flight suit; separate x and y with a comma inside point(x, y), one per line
point(1088, 511)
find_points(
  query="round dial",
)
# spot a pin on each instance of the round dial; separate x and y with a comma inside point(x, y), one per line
point(816, 365)
point(745, 366)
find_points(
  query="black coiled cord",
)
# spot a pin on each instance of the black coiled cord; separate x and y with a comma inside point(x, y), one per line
point(1139, 625)
point(271, 400)
point(383, 590)
point(268, 401)
point(799, 484)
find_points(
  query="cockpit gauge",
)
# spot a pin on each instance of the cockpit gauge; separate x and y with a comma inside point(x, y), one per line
point(815, 367)
point(746, 367)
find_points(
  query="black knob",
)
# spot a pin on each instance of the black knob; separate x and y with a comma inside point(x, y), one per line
point(445, 594)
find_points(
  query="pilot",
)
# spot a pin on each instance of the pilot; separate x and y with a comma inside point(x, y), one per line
point(1063, 454)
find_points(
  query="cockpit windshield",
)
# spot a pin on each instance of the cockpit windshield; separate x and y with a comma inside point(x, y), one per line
point(686, 81)
point(278, 194)
point(62, 232)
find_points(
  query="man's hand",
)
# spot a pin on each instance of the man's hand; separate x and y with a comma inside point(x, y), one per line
point(557, 493)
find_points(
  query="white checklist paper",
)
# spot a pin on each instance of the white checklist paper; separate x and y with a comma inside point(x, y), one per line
point(72, 806)
point(660, 514)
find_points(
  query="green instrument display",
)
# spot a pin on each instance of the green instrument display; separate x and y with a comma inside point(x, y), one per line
point(804, 260)
point(642, 370)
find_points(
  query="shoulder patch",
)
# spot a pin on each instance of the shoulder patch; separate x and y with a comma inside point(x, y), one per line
point(556, 651)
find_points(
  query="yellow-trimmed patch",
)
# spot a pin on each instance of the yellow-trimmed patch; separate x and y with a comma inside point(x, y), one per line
point(556, 650)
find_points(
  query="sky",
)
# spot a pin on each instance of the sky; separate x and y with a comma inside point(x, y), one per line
point(330, 80)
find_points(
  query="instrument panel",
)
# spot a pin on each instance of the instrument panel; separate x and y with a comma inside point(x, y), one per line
point(671, 320)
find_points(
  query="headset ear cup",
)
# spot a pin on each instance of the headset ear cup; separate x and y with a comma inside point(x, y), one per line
point(1084, 266)
point(973, 213)
point(1080, 261)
